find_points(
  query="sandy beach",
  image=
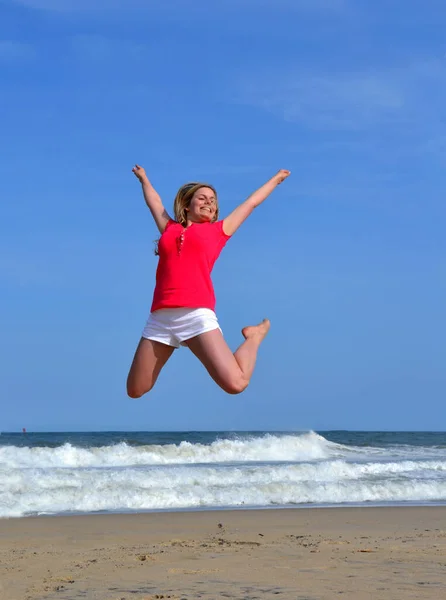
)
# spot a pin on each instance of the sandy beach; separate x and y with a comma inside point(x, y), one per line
point(302, 554)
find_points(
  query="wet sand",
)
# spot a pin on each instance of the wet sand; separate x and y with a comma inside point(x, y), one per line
point(302, 554)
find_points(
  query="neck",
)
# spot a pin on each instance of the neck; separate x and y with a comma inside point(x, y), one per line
point(190, 222)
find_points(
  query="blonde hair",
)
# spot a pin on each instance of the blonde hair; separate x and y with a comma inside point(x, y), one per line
point(184, 197)
point(183, 200)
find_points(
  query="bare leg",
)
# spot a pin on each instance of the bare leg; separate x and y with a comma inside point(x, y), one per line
point(150, 357)
point(232, 372)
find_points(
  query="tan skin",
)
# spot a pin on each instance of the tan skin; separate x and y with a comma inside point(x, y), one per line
point(231, 371)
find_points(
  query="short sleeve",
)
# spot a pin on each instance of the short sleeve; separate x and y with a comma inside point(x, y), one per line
point(219, 238)
point(169, 223)
point(219, 228)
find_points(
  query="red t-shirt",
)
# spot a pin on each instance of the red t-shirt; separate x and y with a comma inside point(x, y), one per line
point(186, 258)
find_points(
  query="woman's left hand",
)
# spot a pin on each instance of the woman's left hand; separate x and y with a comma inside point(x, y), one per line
point(282, 175)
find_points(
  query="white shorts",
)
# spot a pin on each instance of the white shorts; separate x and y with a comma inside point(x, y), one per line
point(173, 326)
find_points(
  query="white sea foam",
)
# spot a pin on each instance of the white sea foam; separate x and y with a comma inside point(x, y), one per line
point(308, 446)
point(269, 470)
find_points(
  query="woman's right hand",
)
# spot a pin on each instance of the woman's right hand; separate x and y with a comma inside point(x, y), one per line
point(140, 173)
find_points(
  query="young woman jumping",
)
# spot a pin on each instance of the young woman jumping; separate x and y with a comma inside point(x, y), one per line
point(182, 311)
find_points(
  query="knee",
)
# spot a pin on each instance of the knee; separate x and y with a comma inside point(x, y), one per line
point(237, 386)
point(135, 391)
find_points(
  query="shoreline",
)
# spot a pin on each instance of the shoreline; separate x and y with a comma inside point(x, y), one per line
point(224, 509)
point(360, 552)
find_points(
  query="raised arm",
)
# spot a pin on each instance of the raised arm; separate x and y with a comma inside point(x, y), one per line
point(152, 198)
point(233, 221)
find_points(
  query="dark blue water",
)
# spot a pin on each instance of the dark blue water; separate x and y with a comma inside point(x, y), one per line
point(380, 439)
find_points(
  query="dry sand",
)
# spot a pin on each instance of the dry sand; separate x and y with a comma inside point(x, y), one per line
point(301, 554)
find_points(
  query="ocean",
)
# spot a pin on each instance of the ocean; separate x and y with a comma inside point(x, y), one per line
point(124, 472)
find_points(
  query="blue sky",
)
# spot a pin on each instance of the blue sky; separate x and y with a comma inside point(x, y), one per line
point(347, 257)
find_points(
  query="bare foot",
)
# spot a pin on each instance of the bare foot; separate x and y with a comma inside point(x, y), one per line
point(257, 331)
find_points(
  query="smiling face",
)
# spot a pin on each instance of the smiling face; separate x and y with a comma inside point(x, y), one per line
point(196, 202)
point(202, 207)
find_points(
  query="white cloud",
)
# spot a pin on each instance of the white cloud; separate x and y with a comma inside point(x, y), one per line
point(412, 97)
point(99, 48)
point(291, 5)
point(344, 101)
point(71, 5)
point(23, 270)
point(15, 51)
point(223, 169)
point(197, 7)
